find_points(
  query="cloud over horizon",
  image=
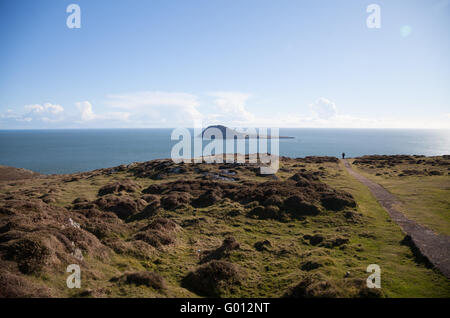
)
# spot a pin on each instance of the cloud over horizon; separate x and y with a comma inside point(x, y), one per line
point(157, 108)
point(47, 113)
point(229, 107)
point(323, 108)
point(87, 113)
point(176, 109)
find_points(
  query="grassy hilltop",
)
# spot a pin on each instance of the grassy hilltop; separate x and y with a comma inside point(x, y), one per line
point(421, 183)
point(160, 229)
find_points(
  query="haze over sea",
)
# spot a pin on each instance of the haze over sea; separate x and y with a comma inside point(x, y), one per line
point(68, 151)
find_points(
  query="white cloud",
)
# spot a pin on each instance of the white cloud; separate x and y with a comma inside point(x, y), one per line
point(169, 109)
point(323, 114)
point(324, 108)
point(158, 108)
point(230, 107)
point(152, 98)
point(54, 109)
point(34, 108)
point(46, 108)
point(86, 111)
point(10, 114)
point(46, 112)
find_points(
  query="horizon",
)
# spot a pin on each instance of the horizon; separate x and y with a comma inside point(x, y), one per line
point(286, 64)
point(169, 128)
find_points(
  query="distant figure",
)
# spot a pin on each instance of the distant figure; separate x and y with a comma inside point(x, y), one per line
point(343, 155)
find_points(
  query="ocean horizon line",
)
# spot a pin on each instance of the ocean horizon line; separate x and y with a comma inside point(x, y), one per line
point(148, 128)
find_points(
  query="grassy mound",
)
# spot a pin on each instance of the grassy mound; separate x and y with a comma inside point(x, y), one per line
point(213, 279)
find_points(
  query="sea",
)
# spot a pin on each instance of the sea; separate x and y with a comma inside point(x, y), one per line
point(77, 150)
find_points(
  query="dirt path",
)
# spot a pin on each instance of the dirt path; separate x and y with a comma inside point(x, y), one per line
point(436, 247)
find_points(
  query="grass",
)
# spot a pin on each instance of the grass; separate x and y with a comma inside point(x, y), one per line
point(374, 240)
point(425, 199)
point(401, 275)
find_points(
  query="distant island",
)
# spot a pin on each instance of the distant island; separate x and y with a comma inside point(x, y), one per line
point(231, 133)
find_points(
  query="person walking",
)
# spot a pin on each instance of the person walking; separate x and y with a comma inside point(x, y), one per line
point(343, 155)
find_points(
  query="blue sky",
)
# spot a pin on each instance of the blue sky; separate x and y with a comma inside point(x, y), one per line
point(168, 63)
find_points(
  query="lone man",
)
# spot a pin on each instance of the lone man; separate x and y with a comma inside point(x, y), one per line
point(343, 155)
